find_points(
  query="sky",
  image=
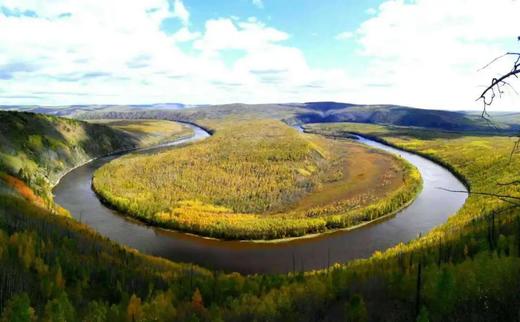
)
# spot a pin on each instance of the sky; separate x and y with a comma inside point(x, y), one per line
point(422, 53)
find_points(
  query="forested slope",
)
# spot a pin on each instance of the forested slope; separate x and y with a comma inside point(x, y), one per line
point(55, 269)
point(39, 148)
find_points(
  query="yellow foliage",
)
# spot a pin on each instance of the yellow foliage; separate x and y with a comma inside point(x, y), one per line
point(24, 242)
point(246, 180)
point(134, 309)
point(482, 161)
point(196, 301)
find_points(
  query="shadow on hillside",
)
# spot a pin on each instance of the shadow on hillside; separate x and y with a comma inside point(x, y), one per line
point(20, 125)
point(411, 132)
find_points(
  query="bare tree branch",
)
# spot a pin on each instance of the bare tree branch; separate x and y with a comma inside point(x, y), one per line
point(498, 58)
point(489, 194)
point(496, 83)
point(496, 88)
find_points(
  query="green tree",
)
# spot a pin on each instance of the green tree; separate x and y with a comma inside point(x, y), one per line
point(160, 308)
point(356, 310)
point(116, 314)
point(445, 292)
point(18, 309)
point(3, 242)
point(96, 312)
point(59, 310)
point(423, 315)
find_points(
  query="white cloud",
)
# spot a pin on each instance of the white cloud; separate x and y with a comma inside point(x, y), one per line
point(97, 53)
point(345, 35)
point(184, 34)
point(258, 3)
point(428, 51)
point(226, 34)
point(180, 11)
point(424, 53)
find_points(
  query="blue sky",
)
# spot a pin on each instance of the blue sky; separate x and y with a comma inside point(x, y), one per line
point(423, 53)
point(313, 28)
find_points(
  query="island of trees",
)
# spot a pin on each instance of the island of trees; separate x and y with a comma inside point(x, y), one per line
point(259, 179)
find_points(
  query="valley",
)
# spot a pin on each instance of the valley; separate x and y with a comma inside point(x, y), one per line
point(259, 161)
point(451, 248)
point(288, 255)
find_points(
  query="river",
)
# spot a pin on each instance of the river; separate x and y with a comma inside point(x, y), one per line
point(432, 207)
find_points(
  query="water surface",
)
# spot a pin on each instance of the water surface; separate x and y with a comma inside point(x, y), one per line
point(431, 208)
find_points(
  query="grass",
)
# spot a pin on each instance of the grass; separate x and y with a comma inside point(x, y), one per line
point(258, 180)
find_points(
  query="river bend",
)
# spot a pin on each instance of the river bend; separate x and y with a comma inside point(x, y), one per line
point(432, 207)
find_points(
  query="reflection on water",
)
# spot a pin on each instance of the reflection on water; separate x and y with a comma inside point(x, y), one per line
point(431, 208)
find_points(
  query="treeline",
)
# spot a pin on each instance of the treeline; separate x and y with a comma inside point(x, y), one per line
point(241, 183)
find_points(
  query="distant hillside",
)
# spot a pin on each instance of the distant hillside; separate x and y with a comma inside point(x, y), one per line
point(510, 118)
point(399, 115)
point(328, 106)
point(207, 112)
point(75, 110)
point(311, 112)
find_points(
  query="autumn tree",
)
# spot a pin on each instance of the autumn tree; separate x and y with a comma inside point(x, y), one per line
point(134, 309)
point(160, 308)
point(197, 301)
point(18, 309)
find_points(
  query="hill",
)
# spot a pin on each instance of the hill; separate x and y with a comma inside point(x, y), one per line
point(398, 115)
point(40, 148)
point(75, 110)
point(298, 113)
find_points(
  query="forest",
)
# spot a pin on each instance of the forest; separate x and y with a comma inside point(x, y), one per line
point(53, 268)
point(259, 179)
